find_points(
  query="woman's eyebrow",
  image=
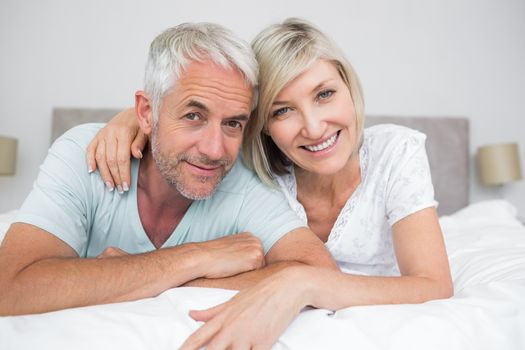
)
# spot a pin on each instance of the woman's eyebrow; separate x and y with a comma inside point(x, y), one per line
point(321, 84)
point(317, 87)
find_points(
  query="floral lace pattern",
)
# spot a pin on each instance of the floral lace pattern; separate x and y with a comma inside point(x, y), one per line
point(395, 182)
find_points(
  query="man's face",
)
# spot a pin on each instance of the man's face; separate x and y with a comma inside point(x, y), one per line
point(200, 127)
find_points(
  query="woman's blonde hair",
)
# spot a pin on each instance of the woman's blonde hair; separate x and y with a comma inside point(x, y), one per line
point(284, 51)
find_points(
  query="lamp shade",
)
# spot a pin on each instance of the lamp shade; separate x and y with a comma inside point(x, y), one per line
point(7, 155)
point(499, 164)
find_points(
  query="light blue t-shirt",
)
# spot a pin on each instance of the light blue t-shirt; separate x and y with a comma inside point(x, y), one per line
point(76, 207)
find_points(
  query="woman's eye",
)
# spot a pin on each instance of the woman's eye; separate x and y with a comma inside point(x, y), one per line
point(323, 95)
point(280, 111)
point(192, 116)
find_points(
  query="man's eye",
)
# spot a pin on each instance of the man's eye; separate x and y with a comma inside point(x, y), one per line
point(234, 124)
point(281, 111)
point(323, 95)
point(192, 116)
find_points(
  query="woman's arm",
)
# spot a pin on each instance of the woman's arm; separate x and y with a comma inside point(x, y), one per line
point(422, 260)
point(112, 147)
point(258, 315)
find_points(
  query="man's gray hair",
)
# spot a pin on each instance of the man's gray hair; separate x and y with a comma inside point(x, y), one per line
point(175, 48)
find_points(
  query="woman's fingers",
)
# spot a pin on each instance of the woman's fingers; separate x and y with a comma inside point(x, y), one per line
point(112, 161)
point(202, 336)
point(138, 144)
point(105, 173)
point(208, 314)
point(112, 147)
point(90, 155)
point(110, 152)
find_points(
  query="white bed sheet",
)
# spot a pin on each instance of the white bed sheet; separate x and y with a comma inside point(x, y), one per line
point(486, 247)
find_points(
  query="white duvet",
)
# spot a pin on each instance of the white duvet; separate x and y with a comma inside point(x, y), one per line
point(486, 247)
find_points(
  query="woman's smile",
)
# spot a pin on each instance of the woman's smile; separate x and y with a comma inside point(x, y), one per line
point(326, 144)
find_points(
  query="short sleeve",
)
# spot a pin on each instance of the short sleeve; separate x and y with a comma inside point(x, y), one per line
point(58, 202)
point(265, 213)
point(410, 186)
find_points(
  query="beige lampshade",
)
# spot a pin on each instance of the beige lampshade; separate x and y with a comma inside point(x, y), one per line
point(7, 155)
point(499, 164)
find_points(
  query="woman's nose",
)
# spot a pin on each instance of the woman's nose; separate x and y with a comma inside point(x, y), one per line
point(314, 127)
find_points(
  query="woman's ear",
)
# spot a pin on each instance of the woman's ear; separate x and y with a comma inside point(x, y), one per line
point(144, 111)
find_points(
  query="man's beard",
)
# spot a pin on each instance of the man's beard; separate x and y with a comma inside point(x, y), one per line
point(169, 166)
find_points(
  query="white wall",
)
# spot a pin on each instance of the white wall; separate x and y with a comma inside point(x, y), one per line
point(414, 57)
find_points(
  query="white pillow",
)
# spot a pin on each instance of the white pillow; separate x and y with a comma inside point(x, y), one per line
point(485, 243)
point(485, 213)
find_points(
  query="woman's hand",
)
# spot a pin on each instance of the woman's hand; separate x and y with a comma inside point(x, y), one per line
point(112, 147)
point(256, 316)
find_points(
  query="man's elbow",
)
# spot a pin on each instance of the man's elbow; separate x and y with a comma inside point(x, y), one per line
point(6, 302)
point(11, 300)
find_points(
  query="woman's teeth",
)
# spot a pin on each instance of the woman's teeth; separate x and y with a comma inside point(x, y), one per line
point(322, 146)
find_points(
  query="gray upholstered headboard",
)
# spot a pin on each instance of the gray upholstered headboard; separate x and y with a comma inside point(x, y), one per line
point(66, 118)
point(447, 148)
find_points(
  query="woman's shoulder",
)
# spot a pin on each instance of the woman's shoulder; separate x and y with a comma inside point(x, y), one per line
point(391, 143)
point(392, 131)
point(382, 137)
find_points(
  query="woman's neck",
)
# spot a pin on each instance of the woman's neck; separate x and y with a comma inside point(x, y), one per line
point(324, 196)
point(336, 188)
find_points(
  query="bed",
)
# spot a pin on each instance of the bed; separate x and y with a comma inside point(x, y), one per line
point(485, 244)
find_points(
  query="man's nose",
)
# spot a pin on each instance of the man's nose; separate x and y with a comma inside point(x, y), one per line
point(211, 143)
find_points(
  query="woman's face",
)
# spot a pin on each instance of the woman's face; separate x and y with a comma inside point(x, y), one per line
point(313, 121)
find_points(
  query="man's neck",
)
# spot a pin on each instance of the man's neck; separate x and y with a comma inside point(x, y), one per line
point(161, 207)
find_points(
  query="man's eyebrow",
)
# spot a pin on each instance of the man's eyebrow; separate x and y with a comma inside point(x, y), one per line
point(202, 106)
point(241, 117)
point(197, 104)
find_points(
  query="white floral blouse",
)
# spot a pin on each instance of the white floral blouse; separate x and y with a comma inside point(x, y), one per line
point(395, 182)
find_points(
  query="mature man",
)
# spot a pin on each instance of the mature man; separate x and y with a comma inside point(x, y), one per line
point(188, 195)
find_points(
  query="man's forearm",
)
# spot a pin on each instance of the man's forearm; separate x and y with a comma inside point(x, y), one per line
point(59, 283)
point(40, 273)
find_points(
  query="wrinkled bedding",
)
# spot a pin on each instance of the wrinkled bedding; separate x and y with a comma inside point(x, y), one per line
point(486, 248)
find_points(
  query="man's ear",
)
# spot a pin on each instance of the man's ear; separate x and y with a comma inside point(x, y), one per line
point(144, 112)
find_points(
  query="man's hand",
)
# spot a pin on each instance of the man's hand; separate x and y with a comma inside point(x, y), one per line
point(299, 247)
point(232, 255)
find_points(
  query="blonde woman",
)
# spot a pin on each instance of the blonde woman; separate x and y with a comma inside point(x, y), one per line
point(366, 193)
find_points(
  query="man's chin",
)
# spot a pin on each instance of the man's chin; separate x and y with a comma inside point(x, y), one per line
point(204, 189)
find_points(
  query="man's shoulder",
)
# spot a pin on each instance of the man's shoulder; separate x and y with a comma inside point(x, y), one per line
point(240, 179)
point(80, 135)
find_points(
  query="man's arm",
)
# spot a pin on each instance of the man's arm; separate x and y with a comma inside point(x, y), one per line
point(40, 273)
point(300, 246)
